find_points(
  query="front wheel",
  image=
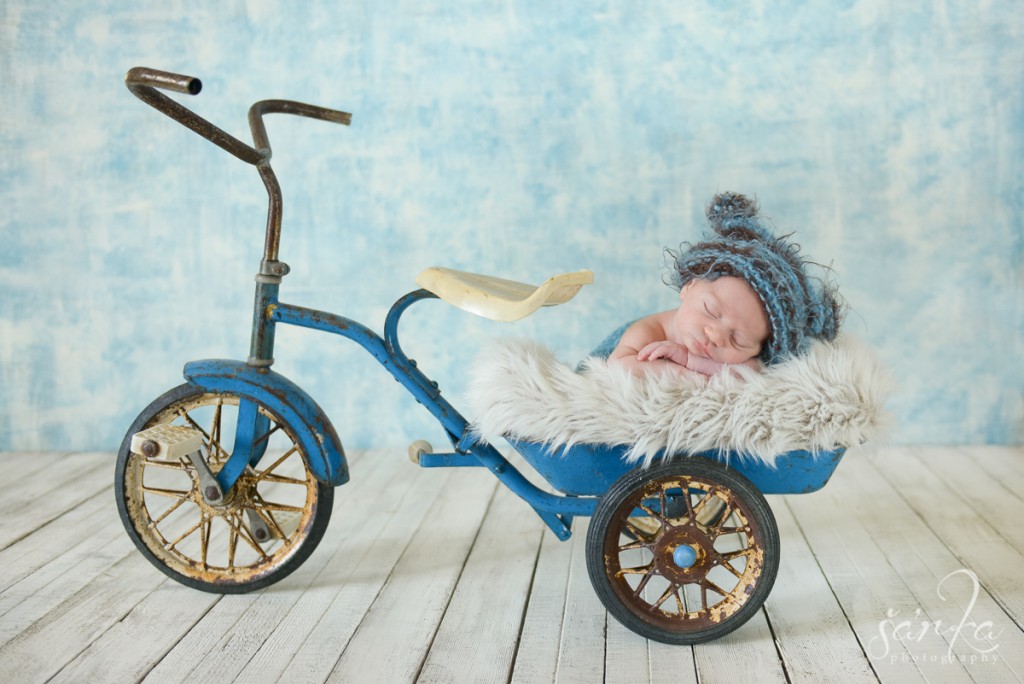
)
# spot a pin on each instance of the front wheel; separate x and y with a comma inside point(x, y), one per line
point(264, 527)
point(683, 552)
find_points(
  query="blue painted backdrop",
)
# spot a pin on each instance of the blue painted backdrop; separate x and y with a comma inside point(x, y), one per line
point(518, 138)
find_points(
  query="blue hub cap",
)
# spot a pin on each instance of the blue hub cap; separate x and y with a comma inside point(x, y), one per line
point(684, 556)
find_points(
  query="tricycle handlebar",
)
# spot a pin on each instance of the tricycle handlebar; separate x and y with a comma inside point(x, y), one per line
point(144, 82)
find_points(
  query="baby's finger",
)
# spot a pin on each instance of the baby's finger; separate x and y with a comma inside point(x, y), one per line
point(655, 350)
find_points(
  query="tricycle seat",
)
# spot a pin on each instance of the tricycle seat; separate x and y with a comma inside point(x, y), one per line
point(497, 298)
point(590, 469)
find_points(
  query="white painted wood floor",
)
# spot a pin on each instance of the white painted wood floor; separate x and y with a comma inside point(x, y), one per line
point(441, 576)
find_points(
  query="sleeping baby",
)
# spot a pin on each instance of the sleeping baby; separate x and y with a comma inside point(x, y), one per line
point(745, 299)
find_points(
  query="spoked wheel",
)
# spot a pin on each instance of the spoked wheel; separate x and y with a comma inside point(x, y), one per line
point(683, 552)
point(262, 530)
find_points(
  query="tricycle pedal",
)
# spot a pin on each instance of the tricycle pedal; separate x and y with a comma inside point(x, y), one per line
point(169, 442)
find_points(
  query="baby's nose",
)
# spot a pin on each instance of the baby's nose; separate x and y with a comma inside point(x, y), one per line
point(713, 335)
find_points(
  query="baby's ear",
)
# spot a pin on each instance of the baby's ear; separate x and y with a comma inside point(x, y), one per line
point(684, 289)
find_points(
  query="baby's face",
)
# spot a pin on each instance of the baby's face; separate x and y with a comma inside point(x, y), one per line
point(721, 319)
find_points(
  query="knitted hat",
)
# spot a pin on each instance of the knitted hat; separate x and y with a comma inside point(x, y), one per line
point(799, 307)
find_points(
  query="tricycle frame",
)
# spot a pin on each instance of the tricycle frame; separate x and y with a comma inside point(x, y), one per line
point(556, 511)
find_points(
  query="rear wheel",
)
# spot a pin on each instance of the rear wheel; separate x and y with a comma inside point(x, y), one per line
point(264, 527)
point(683, 552)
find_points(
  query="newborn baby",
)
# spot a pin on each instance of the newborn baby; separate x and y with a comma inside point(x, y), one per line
point(745, 299)
point(719, 322)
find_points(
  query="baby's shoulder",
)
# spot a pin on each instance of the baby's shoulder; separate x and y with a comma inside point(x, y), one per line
point(649, 328)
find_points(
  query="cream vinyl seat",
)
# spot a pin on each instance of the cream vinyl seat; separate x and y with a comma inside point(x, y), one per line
point(497, 298)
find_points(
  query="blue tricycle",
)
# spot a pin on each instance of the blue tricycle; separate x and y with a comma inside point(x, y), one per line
point(226, 482)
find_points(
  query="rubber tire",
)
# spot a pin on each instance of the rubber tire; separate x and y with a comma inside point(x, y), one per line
point(704, 468)
point(322, 516)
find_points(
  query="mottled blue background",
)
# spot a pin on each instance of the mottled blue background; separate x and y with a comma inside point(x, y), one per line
point(516, 138)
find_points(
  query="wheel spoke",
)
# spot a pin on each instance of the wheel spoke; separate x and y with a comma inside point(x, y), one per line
point(266, 515)
point(728, 566)
point(216, 428)
point(172, 493)
point(708, 584)
point(232, 543)
point(171, 465)
point(267, 435)
point(643, 581)
point(265, 474)
point(637, 532)
point(673, 588)
point(688, 497)
point(269, 518)
point(733, 555)
point(204, 541)
point(280, 479)
point(271, 506)
point(648, 511)
point(708, 496)
point(215, 446)
point(202, 519)
point(170, 509)
point(245, 534)
point(638, 544)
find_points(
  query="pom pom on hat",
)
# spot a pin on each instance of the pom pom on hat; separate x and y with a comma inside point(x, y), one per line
point(799, 307)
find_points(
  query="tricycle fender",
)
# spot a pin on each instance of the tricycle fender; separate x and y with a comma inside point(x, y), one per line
point(313, 430)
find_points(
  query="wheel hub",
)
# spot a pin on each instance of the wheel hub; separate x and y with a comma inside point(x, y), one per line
point(682, 553)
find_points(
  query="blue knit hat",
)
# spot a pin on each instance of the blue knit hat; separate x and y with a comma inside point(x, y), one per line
point(799, 307)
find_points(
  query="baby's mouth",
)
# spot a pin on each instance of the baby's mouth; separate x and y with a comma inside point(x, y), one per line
point(700, 350)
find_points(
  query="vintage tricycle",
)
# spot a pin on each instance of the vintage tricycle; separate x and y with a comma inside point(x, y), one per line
point(226, 483)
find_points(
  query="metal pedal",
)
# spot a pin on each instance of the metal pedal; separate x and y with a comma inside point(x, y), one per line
point(169, 442)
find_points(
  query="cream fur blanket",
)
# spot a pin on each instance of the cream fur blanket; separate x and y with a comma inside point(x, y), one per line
point(831, 397)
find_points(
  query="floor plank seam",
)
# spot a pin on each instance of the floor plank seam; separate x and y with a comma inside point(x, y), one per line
point(832, 589)
point(526, 606)
point(455, 586)
point(778, 647)
point(181, 636)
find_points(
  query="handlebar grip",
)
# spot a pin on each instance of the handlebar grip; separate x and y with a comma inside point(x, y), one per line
point(154, 78)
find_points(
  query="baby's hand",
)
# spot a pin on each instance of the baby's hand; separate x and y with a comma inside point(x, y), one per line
point(664, 349)
point(703, 365)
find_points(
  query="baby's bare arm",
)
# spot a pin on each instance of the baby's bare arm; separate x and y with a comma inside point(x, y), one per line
point(664, 349)
point(634, 350)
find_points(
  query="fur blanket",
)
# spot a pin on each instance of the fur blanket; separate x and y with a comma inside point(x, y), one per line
point(831, 397)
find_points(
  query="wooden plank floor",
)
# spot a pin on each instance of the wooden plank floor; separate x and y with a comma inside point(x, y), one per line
point(908, 566)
